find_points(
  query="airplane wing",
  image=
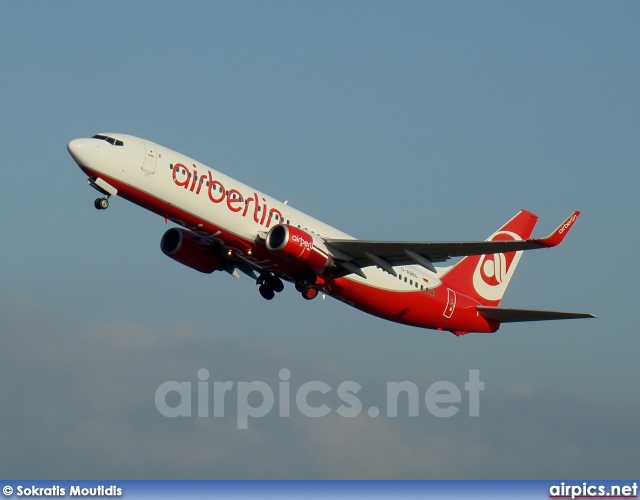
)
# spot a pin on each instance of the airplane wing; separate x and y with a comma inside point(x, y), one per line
point(353, 255)
point(504, 315)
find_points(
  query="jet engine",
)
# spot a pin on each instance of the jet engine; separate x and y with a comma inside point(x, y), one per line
point(299, 247)
point(191, 250)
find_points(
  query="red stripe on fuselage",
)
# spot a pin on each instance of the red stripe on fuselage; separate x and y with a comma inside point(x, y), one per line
point(415, 308)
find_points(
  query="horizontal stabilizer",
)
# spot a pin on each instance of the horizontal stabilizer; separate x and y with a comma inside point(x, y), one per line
point(504, 315)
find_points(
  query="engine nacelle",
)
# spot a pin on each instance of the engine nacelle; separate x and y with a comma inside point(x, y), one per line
point(299, 247)
point(191, 250)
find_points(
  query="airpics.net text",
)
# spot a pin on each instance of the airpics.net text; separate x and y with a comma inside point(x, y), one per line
point(256, 399)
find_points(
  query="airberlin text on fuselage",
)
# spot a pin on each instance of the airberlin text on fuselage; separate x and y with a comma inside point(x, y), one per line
point(235, 201)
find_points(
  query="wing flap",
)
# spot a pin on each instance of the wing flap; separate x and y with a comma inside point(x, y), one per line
point(506, 315)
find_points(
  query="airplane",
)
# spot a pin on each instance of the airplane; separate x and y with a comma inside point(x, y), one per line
point(225, 225)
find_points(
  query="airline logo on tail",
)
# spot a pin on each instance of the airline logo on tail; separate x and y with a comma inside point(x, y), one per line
point(493, 272)
point(567, 224)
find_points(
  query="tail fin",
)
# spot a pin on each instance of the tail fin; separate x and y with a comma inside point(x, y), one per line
point(485, 277)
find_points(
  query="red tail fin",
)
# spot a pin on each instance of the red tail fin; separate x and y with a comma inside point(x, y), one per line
point(485, 277)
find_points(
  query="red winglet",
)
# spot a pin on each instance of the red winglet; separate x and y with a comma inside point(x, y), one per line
point(561, 231)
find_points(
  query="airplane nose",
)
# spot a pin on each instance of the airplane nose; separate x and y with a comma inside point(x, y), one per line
point(78, 150)
point(74, 148)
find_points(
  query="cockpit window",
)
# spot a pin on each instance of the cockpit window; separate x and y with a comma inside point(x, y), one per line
point(110, 140)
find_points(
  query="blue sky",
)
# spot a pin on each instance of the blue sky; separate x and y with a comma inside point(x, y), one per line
point(389, 120)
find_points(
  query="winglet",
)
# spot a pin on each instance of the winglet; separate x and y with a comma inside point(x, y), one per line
point(559, 234)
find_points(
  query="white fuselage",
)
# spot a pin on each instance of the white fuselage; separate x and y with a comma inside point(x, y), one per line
point(213, 198)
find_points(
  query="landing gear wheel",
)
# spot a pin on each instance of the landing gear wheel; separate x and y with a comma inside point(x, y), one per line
point(101, 203)
point(309, 292)
point(303, 283)
point(266, 292)
point(275, 284)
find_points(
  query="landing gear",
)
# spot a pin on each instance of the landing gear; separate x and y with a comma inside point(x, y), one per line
point(266, 292)
point(307, 289)
point(309, 292)
point(275, 284)
point(101, 203)
point(105, 189)
point(269, 285)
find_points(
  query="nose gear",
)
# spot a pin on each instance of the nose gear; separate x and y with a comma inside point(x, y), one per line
point(101, 203)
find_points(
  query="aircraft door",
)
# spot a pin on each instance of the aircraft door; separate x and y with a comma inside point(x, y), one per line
point(451, 303)
point(150, 157)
